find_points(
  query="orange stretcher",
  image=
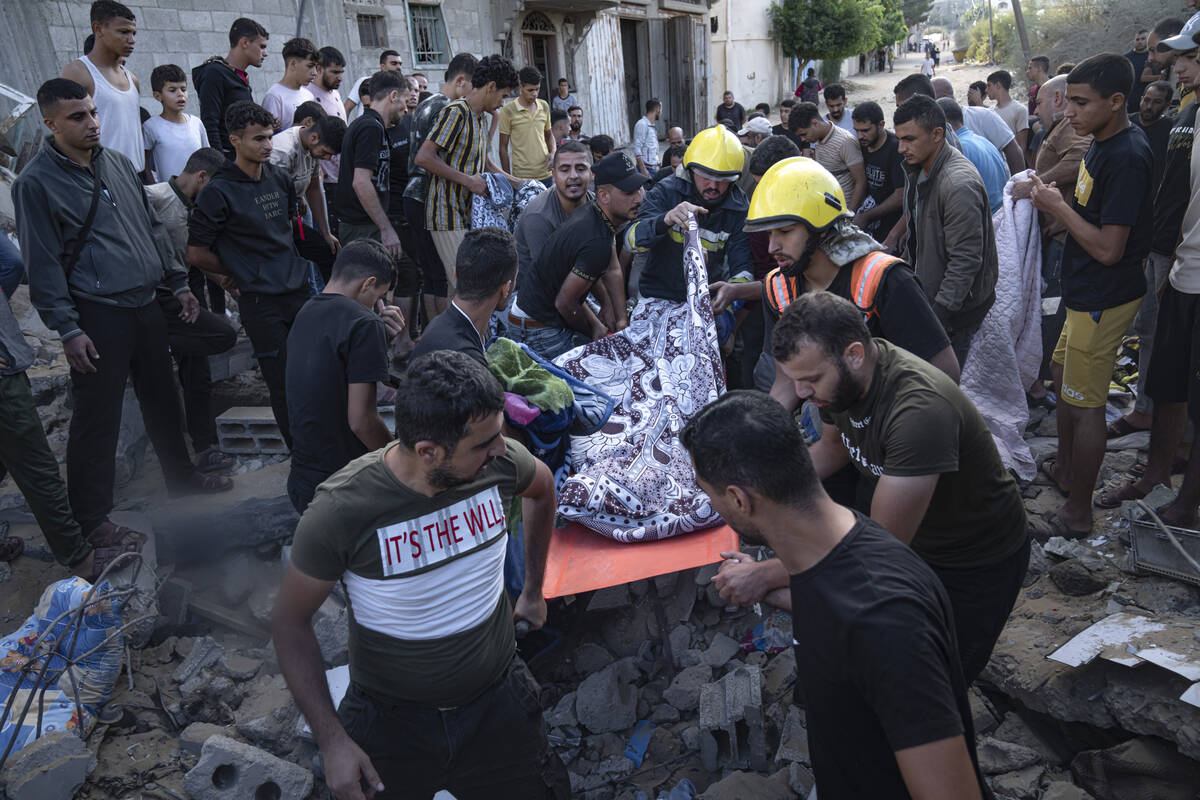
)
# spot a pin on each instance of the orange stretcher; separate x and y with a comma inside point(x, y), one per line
point(580, 560)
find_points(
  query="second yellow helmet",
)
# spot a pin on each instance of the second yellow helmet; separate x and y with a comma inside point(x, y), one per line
point(717, 151)
point(796, 189)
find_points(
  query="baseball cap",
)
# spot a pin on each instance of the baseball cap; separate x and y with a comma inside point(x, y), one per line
point(1186, 40)
point(618, 169)
point(756, 125)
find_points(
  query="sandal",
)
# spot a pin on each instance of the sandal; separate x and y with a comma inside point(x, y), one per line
point(1047, 470)
point(103, 556)
point(1045, 528)
point(203, 483)
point(1178, 467)
point(11, 547)
point(1112, 498)
point(110, 534)
point(1121, 427)
point(213, 460)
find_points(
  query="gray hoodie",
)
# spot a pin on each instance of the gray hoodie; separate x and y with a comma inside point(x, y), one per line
point(127, 253)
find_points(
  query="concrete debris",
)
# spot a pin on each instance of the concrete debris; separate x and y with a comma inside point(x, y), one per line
point(239, 667)
point(609, 598)
point(1023, 784)
point(267, 716)
point(779, 675)
point(1073, 578)
point(331, 624)
point(563, 714)
point(997, 757)
point(239, 581)
point(606, 701)
point(684, 691)
point(53, 767)
point(722, 649)
point(749, 786)
point(232, 770)
point(193, 737)
point(1064, 790)
point(793, 741)
point(204, 653)
point(590, 657)
point(982, 714)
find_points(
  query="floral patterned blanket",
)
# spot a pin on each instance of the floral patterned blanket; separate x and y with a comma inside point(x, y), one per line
point(633, 479)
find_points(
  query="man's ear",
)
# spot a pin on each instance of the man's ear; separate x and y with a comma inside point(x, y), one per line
point(854, 355)
point(740, 499)
point(429, 453)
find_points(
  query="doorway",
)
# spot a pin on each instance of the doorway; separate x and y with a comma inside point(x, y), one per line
point(539, 38)
point(633, 85)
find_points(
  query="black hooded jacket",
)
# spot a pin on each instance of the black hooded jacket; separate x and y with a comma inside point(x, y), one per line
point(218, 86)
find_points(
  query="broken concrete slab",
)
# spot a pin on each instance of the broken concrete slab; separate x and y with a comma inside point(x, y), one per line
point(268, 715)
point(1022, 784)
point(204, 653)
point(193, 737)
point(1063, 790)
point(53, 767)
point(590, 657)
point(232, 770)
point(684, 691)
point(997, 757)
point(1073, 578)
point(720, 651)
point(793, 740)
point(606, 701)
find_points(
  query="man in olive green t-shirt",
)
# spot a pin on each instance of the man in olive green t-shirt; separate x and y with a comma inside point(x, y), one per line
point(438, 697)
point(939, 484)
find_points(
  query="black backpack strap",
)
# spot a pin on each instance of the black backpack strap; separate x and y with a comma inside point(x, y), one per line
point(81, 239)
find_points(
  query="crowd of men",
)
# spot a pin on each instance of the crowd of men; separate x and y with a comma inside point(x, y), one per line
point(851, 263)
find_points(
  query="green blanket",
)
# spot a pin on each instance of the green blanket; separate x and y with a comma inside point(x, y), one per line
point(520, 374)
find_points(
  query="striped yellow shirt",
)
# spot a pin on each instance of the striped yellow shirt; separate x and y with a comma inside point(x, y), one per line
point(461, 138)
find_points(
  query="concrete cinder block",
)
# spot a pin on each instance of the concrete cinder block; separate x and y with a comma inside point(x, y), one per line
point(731, 710)
point(249, 430)
point(51, 768)
point(204, 653)
point(231, 770)
point(195, 20)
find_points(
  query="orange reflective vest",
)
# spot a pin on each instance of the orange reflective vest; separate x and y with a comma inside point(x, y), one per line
point(866, 275)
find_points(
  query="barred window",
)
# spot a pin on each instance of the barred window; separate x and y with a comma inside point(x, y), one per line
point(372, 31)
point(429, 42)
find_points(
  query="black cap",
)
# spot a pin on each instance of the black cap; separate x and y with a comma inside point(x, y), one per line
point(618, 168)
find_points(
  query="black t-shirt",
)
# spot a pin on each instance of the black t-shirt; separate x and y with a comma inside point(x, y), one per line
point(1138, 61)
point(779, 130)
point(450, 330)
point(877, 664)
point(1113, 188)
point(903, 314)
point(1157, 135)
point(914, 421)
point(885, 174)
point(1175, 191)
point(735, 114)
point(365, 146)
point(334, 342)
point(582, 245)
point(398, 167)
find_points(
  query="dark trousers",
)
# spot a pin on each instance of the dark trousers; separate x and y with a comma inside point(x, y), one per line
point(433, 274)
point(191, 345)
point(960, 343)
point(25, 455)
point(132, 343)
point(330, 189)
point(982, 599)
point(311, 244)
point(494, 748)
point(267, 319)
point(207, 291)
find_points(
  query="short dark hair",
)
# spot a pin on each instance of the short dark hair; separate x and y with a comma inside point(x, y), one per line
point(163, 74)
point(771, 151)
point(1167, 27)
point(56, 90)
point(765, 108)
point(1043, 60)
point(952, 110)
point(331, 131)
point(911, 85)
point(206, 159)
point(922, 110)
point(245, 113)
point(867, 112)
point(571, 146)
point(675, 150)
point(574, 108)
point(1002, 77)
point(362, 259)
point(601, 145)
point(495, 69)
point(754, 115)
point(309, 109)
point(1107, 74)
point(835, 91)
point(386, 54)
point(486, 259)
point(89, 44)
point(802, 115)
point(557, 115)
point(364, 88)
point(652, 104)
point(104, 10)
point(439, 397)
point(331, 57)
point(530, 75)
point(1163, 86)
point(1141, 31)
point(385, 82)
point(821, 318)
point(246, 28)
point(789, 103)
point(564, 80)
point(720, 435)
point(462, 64)
point(300, 48)
point(1064, 68)
point(419, 75)
point(980, 87)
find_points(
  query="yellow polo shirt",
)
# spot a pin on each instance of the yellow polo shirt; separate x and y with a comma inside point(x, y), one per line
point(526, 132)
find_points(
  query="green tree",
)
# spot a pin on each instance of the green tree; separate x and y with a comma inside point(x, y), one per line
point(893, 28)
point(915, 11)
point(825, 29)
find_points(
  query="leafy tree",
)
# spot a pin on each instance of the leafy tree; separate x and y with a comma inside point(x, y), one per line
point(825, 29)
point(915, 11)
point(893, 28)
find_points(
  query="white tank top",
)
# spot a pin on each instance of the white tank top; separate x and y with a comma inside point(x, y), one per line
point(120, 116)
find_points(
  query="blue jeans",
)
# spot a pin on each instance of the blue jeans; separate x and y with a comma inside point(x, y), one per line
point(12, 269)
point(550, 343)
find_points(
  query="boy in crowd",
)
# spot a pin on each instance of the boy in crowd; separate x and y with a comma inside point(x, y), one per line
point(525, 128)
point(455, 156)
point(337, 355)
point(173, 136)
point(299, 70)
point(563, 99)
point(241, 233)
point(1110, 227)
point(999, 84)
point(221, 82)
point(101, 71)
point(297, 151)
point(330, 69)
point(209, 333)
point(885, 171)
point(834, 148)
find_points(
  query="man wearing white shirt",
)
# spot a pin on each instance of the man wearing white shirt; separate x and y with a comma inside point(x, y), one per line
point(645, 139)
point(389, 61)
point(330, 70)
point(1016, 115)
point(983, 121)
point(300, 59)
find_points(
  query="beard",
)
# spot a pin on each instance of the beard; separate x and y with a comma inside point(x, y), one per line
point(444, 478)
point(848, 390)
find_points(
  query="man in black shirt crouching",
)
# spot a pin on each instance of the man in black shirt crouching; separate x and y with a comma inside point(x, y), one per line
point(883, 690)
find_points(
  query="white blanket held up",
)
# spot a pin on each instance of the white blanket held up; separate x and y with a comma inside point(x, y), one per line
point(1006, 351)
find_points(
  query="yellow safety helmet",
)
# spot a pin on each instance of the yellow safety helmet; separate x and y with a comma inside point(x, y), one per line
point(796, 189)
point(717, 151)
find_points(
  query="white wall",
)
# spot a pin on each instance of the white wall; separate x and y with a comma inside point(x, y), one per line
point(745, 59)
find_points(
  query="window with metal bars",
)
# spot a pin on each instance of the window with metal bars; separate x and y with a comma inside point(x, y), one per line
point(372, 31)
point(429, 41)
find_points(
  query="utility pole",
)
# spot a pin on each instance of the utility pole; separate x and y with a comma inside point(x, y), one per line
point(991, 37)
point(1021, 32)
